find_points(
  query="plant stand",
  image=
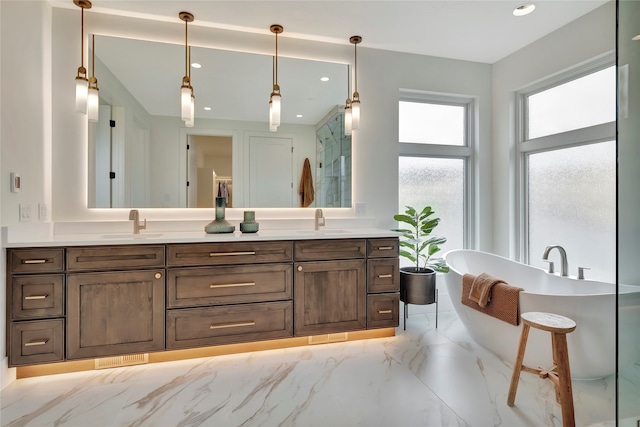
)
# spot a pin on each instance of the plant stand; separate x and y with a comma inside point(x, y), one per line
point(417, 288)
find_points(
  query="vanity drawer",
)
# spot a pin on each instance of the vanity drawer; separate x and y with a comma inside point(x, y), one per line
point(198, 327)
point(383, 248)
point(228, 253)
point(37, 341)
point(383, 311)
point(383, 275)
point(114, 257)
point(204, 286)
point(332, 249)
point(37, 296)
point(36, 260)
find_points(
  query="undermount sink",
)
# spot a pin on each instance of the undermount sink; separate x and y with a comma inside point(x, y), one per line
point(131, 236)
point(326, 231)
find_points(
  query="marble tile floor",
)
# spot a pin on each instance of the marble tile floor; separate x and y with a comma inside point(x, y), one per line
point(421, 377)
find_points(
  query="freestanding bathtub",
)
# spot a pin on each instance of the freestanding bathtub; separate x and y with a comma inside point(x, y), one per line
point(592, 304)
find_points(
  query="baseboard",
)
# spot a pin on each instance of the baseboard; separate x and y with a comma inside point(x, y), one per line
point(7, 374)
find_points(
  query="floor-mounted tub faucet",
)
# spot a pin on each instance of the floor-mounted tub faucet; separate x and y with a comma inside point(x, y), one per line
point(563, 258)
point(318, 219)
point(134, 216)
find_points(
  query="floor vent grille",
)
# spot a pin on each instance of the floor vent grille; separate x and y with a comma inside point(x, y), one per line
point(118, 361)
point(324, 339)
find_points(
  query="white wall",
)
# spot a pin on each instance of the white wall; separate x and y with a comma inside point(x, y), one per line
point(577, 42)
point(25, 42)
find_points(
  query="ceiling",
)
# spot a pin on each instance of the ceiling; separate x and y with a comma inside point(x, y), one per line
point(474, 30)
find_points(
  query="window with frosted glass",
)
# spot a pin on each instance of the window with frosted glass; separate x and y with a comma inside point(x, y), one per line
point(572, 203)
point(439, 183)
point(425, 123)
point(583, 102)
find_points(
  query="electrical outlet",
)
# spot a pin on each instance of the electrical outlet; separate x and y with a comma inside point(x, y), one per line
point(25, 213)
point(43, 214)
point(361, 209)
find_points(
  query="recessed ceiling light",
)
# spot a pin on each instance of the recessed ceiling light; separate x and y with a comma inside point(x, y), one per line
point(196, 65)
point(324, 79)
point(524, 9)
point(636, 37)
point(207, 108)
point(298, 115)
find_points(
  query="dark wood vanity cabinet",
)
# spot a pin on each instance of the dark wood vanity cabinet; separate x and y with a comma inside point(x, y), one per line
point(383, 283)
point(330, 296)
point(95, 301)
point(228, 293)
point(114, 313)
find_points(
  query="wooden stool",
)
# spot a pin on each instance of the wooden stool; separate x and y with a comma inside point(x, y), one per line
point(559, 373)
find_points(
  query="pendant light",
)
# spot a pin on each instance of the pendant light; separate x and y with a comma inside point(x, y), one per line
point(186, 91)
point(274, 102)
point(93, 99)
point(192, 100)
point(355, 102)
point(82, 83)
point(272, 127)
point(348, 119)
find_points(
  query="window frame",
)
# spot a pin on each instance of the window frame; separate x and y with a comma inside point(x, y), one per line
point(465, 152)
point(525, 147)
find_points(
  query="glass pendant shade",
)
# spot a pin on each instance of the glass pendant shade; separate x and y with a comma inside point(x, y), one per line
point(355, 114)
point(82, 93)
point(93, 104)
point(185, 102)
point(347, 121)
point(272, 127)
point(189, 123)
point(275, 109)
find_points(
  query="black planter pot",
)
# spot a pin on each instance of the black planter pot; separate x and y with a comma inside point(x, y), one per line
point(418, 286)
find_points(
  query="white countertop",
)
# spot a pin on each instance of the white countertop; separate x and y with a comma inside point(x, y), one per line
point(50, 238)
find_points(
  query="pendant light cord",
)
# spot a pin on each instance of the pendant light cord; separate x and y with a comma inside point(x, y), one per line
point(186, 48)
point(82, 38)
point(355, 57)
point(93, 54)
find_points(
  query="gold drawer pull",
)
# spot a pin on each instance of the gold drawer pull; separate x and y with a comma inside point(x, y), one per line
point(34, 261)
point(232, 285)
point(384, 276)
point(231, 253)
point(36, 297)
point(385, 248)
point(385, 311)
point(33, 343)
point(232, 325)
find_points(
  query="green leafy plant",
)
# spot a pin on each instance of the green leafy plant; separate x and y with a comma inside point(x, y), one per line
point(417, 241)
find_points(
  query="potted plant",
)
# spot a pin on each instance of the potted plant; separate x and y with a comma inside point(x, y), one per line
point(418, 283)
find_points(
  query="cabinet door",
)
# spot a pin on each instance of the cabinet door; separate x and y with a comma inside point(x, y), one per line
point(329, 296)
point(115, 313)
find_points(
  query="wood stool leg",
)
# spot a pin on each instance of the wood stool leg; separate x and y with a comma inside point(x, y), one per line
point(555, 363)
point(561, 356)
point(517, 367)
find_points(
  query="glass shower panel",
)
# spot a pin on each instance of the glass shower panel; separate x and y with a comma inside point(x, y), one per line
point(333, 174)
point(628, 207)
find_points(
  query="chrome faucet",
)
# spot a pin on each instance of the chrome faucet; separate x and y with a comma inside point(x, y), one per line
point(134, 216)
point(318, 220)
point(563, 259)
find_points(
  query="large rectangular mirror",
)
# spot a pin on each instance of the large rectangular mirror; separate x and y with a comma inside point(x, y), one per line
point(141, 155)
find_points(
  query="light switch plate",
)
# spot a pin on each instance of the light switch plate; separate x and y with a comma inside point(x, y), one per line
point(43, 213)
point(361, 209)
point(25, 213)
